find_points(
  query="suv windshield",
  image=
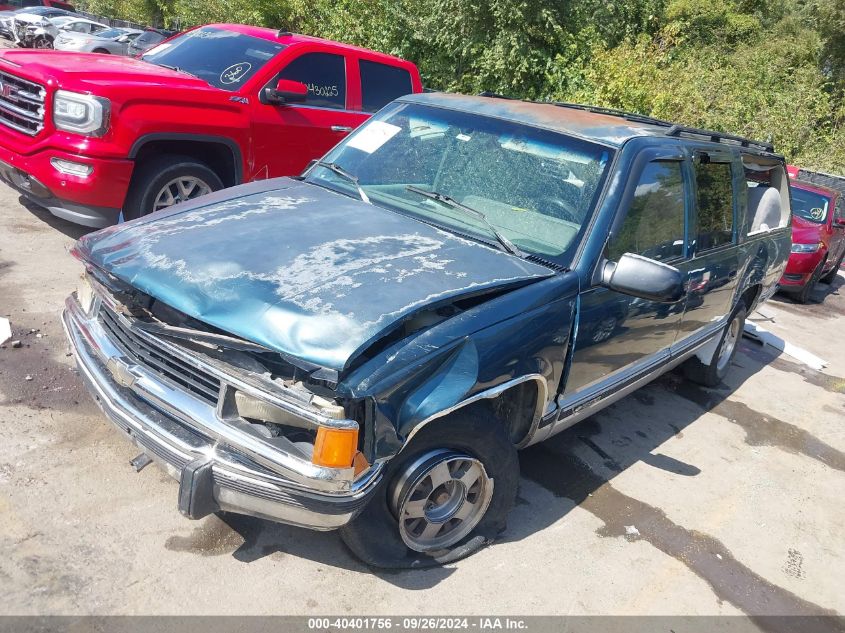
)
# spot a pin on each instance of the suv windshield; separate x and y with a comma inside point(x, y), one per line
point(534, 187)
point(224, 59)
point(809, 205)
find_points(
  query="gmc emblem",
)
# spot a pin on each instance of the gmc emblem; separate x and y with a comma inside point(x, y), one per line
point(6, 90)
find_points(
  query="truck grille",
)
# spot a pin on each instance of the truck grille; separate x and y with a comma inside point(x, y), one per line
point(21, 104)
point(158, 359)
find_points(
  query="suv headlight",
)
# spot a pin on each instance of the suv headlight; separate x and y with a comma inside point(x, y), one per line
point(806, 248)
point(83, 114)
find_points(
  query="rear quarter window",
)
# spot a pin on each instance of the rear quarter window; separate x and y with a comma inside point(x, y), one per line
point(381, 84)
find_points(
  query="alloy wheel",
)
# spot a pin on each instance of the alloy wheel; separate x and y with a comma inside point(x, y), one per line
point(178, 190)
point(439, 499)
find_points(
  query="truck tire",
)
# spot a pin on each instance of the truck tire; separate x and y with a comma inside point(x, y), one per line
point(442, 498)
point(102, 51)
point(162, 182)
point(712, 373)
point(829, 277)
point(804, 295)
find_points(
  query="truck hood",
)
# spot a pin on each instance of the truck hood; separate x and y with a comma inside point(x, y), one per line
point(98, 71)
point(299, 269)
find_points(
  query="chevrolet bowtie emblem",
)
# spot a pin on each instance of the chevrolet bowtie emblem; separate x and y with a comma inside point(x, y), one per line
point(121, 371)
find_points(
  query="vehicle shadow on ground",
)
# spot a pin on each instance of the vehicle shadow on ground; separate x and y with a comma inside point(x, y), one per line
point(578, 461)
point(70, 229)
point(572, 466)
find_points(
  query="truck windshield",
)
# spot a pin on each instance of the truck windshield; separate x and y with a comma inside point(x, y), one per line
point(535, 188)
point(809, 205)
point(224, 59)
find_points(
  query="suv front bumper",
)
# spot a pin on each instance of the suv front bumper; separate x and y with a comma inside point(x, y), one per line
point(213, 474)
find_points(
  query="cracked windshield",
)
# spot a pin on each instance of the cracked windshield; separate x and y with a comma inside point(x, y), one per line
point(519, 188)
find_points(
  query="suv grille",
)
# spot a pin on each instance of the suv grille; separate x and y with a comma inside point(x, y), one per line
point(145, 352)
point(21, 104)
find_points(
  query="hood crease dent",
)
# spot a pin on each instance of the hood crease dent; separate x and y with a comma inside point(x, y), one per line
point(301, 270)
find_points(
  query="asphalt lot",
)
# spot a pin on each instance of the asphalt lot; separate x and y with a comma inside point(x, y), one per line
point(677, 500)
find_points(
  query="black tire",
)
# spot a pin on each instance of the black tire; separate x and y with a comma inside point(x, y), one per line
point(374, 536)
point(102, 51)
point(806, 292)
point(829, 277)
point(712, 373)
point(151, 176)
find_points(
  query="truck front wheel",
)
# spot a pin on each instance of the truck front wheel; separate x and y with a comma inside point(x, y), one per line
point(446, 495)
point(162, 182)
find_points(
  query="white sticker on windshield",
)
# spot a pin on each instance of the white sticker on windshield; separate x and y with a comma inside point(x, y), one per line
point(234, 73)
point(373, 135)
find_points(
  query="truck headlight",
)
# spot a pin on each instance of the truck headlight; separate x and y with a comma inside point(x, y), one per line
point(83, 114)
point(806, 248)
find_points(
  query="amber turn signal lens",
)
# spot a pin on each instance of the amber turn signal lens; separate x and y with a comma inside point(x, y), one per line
point(335, 448)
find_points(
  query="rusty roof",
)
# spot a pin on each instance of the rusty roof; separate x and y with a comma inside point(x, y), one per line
point(604, 128)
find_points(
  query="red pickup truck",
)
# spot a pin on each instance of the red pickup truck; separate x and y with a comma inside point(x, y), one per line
point(88, 136)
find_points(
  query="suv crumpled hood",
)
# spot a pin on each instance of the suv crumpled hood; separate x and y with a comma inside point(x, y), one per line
point(299, 269)
point(98, 71)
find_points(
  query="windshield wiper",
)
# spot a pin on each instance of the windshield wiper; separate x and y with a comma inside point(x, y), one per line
point(176, 68)
point(340, 171)
point(442, 198)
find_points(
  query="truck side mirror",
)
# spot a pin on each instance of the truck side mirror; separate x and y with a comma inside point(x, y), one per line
point(286, 91)
point(645, 278)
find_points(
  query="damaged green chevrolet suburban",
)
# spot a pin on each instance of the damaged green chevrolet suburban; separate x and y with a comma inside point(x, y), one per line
point(367, 346)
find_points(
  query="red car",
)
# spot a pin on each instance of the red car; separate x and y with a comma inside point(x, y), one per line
point(818, 238)
point(89, 136)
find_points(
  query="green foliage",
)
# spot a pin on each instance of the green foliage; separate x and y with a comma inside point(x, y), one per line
point(771, 69)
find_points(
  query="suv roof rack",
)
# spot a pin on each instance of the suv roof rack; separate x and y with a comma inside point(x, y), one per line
point(719, 137)
point(674, 128)
point(630, 116)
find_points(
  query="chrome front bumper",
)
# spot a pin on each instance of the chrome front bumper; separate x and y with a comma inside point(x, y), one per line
point(186, 436)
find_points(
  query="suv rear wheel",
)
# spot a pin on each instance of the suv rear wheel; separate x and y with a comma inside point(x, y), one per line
point(710, 374)
point(162, 182)
point(446, 495)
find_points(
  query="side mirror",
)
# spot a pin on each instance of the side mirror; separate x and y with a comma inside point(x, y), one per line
point(286, 91)
point(645, 278)
point(122, 39)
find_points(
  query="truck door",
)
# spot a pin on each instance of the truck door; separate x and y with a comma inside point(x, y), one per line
point(286, 137)
point(619, 335)
point(712, 272)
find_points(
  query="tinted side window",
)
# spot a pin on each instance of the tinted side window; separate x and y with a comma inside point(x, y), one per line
point(382, 84)
point(325, 76)
point(654, 224)
point(715, 204)
point(31, 3)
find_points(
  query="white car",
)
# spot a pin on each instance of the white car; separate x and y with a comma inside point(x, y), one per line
point(35, 31)
point(114, 41)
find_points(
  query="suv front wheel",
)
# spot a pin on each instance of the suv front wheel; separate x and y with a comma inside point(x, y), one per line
point(162, 182)
point(443, 497)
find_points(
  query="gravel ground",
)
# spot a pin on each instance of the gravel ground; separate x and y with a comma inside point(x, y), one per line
point(677, 500)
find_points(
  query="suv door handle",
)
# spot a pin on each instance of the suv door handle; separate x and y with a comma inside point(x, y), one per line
point(341, 128)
